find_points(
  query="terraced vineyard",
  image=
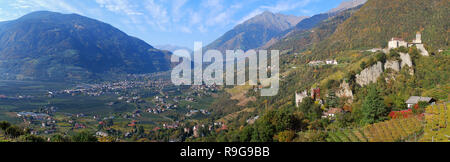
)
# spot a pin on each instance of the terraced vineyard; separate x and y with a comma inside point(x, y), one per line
point(437, 128)
point(3, 138)
point(389, 131)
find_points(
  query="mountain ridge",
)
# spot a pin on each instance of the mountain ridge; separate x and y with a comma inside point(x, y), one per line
point(347, 5)
point(47, 45)
point(255, 32)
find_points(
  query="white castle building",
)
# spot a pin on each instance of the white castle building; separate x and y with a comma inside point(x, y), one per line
point(398, 42)
point(299, 97)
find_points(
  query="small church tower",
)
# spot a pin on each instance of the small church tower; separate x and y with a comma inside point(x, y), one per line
point(418, 39)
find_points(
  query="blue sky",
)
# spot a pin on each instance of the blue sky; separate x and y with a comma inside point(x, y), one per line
point(175, 22)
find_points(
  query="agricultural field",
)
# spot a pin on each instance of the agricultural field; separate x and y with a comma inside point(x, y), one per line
point(437, 128)
point(395, 130)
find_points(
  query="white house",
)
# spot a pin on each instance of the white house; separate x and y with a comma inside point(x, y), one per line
point(413, 100)
point(331, 62)
point(396, 43)
point(101, 134)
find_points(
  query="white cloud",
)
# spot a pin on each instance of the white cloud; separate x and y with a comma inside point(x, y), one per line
point(119, 6)
point(286, 5)
point(213, 4)
point(202, 29)
point(176, 6)
point(185, 29)
point(195, 18)
point(52, 5)
point(221, 18)
point(158, 12)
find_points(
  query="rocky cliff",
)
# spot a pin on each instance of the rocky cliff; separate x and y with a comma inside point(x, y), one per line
point(392, 64)
point(345, 92)
point(407, 62)
point(370, 75)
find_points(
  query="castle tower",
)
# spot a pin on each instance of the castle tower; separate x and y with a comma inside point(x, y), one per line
point(418, 39)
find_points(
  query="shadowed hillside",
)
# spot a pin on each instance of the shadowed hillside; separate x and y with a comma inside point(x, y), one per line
point(53, 46)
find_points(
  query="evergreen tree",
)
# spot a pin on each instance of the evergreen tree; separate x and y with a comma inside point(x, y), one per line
point(84, 137)
point(373, 108)
point(311, 110)
point(332, 99)
point(4, 125)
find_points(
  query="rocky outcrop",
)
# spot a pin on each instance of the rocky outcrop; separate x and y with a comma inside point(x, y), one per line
point(299, 97)
point(407, 62)
point(345, 92)
point(422, 50)
point(392, 64)
point(370, 75)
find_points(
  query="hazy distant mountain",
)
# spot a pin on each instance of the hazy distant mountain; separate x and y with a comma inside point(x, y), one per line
point(311, 31)
point(347, 5)
point(172, 48)
point(305, 24)
point(255, 32)
point(53, 46)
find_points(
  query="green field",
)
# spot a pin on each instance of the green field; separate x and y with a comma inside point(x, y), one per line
point(68, 104)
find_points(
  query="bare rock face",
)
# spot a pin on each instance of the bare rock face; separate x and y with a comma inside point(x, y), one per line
point(370, 75)
point(407, 62)
point(422, 50)
point(345, 92)
point(299, 97)
point(394, 65)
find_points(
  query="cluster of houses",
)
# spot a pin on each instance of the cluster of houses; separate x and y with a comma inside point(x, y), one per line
point(33, 116)
point(44, 120)
point(193, 112)
point(196, 130)
point(114, 88)
point(131, 115)
point(156, 110)
point(79, 126)
point(161, 105)
point(133, 99)
point(212, 88)
point(327, 62)
point(17, 97)
point(171, 126)
point(252, 120)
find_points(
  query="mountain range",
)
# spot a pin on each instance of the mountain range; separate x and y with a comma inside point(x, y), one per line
point(347, 5)
point(255, 32)
point(52, 46)
point(172, 48)
point(267, 29)
point(307, 35)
